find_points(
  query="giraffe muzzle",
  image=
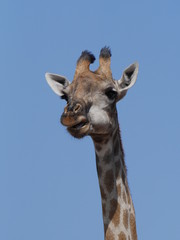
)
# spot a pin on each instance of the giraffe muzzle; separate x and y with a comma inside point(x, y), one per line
point(77, 124)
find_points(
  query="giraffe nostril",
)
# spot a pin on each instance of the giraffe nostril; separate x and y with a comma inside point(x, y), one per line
point(77, 108)
point(72, 108)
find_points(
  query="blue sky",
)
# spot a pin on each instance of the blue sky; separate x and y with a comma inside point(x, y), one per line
point(48, 181)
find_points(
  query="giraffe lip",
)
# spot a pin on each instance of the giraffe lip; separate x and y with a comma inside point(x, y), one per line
point(72, 121)
point(79, 125)
point(80, 129)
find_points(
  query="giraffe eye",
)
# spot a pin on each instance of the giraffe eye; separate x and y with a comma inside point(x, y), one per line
point(111, 94)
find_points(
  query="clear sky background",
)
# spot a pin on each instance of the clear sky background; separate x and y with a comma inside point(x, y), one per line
point(48, 182)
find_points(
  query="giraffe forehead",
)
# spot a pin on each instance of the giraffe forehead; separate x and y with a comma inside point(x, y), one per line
point(90, 83)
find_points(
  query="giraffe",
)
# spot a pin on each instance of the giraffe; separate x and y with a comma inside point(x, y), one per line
point(91, 111)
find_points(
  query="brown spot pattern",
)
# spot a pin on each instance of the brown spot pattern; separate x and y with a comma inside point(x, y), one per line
point(125, 218)
point(116, 217)
point(133, 227)
point(97, 159)
point(99, 170)
point(97, 139)
point(113, 207)
point(117, 168)
point(103, 194)
point(107, 157)
point(116, 148)
point(109, 180)
point(123, 177)
point(122, 236)
point(98, 147)
point(109, 234)
point(106, 140)
point(104, 209)
point(105, 227)
point(115, 136)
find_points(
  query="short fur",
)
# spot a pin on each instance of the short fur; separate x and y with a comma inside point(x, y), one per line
point(91, 111)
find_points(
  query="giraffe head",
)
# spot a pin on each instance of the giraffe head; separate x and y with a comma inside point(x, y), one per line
point(92, 96)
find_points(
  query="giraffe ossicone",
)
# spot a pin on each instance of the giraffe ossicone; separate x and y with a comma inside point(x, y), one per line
point(91, 110)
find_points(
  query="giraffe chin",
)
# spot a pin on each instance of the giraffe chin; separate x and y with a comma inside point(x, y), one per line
point(80, 130)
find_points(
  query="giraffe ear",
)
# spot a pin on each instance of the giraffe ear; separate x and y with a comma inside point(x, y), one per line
point(128, 79)
point(57, 83)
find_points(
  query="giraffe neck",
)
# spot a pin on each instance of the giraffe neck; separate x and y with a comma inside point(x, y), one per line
point(117, 205)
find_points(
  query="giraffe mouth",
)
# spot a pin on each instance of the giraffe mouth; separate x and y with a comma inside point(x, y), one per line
point(79, 129)
point(79, 125)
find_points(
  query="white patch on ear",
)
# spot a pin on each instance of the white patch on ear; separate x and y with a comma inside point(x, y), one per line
point(127, 80)
point(57, 83)
point(129, 76)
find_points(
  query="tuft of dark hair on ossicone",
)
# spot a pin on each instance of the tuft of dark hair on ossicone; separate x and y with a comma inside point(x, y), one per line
point(105, 52)
point(86, 56)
